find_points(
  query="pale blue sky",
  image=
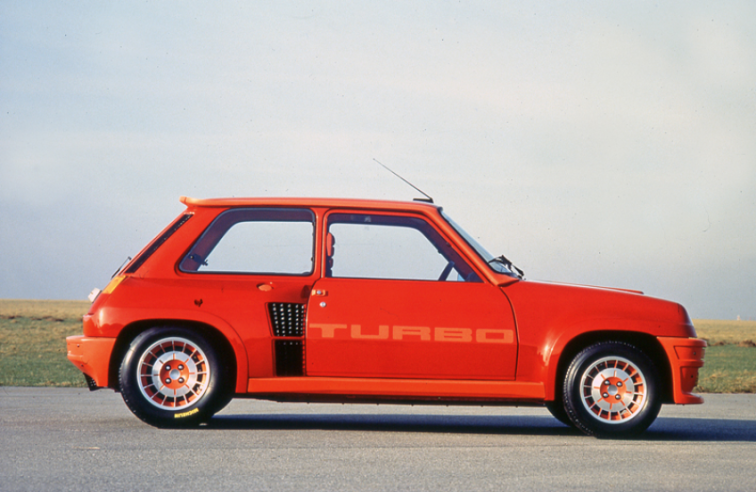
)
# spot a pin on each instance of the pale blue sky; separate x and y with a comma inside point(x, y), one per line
point(608, 143)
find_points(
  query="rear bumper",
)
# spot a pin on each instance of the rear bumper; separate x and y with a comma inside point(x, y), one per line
point(685, 357)
point(91, 356)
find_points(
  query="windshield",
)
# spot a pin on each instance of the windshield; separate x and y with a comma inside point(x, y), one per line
point(493, 262)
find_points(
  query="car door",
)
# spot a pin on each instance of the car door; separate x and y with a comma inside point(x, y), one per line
point(256, 268)
point(397, 300)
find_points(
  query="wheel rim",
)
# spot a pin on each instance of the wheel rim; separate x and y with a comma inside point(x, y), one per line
point(173, 373)
point(613, 390)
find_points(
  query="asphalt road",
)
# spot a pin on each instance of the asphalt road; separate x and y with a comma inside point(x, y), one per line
point(71, 439)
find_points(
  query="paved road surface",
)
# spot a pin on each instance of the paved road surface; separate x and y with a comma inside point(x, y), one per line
point(71, 439)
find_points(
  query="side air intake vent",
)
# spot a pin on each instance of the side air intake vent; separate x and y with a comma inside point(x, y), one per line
point(287, 318)
point(289, 358)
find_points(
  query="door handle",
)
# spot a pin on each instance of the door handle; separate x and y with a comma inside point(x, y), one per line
point(319, 292)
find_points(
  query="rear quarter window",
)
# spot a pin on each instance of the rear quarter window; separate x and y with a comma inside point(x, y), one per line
point(145, 255)
point(255, 241)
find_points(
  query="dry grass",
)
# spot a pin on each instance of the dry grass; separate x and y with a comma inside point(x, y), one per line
point(55, 310)
point(723, 332)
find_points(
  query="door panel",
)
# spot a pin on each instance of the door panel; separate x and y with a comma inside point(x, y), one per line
point(261, 261)
point(409, 329)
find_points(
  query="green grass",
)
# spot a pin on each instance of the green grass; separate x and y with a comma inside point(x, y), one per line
point(33, 347)
point(728, 369)
point(730, 360)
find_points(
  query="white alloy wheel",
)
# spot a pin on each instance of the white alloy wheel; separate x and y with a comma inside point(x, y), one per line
point(613, 390)
point(173, 373)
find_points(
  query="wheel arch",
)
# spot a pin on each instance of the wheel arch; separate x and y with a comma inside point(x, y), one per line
point(215, 336)
point(643, 341)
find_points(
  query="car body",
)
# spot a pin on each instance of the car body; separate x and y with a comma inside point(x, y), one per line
point(339, 300)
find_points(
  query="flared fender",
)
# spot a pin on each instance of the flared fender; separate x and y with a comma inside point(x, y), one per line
point(104, 325)
point(539, 359)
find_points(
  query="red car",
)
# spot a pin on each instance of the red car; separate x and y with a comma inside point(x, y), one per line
point(334, 300)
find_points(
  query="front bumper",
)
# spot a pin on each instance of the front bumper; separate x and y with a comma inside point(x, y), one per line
point(91, 356)
point(685, 357)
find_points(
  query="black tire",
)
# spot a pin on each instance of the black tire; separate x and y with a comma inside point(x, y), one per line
point(556, 408)
point(612, 389)
point(173, 377)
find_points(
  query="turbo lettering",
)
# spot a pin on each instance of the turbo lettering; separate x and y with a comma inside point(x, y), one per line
point(415, 331)
point(494, 336)
point(453, 335)
point(411, 333)
point(327, 330)
point(383, 333)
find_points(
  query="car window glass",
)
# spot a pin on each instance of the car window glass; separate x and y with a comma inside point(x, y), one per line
point(391, 247)
point(255, 241)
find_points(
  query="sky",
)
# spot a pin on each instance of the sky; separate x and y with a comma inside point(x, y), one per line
point(603, 143)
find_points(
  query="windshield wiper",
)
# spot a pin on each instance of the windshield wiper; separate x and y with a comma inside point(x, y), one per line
point(504, 261)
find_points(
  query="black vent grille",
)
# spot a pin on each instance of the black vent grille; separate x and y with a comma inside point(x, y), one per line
point(287, 319)
point(289, 358)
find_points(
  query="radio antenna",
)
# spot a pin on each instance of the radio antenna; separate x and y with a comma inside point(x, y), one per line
point(427, 196)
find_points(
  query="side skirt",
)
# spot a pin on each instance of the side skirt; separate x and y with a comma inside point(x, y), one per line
point(394, 390)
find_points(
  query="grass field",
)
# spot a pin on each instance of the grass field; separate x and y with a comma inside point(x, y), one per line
point(32, 342)
point(33, 347)
point(723, 332)
point(730, 361)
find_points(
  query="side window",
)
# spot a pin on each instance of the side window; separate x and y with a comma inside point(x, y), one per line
point(255, 240)
point(391, 247)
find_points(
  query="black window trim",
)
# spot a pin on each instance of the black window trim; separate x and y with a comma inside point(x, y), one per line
point(145, 255)
point(405, 215)
point(236, 209)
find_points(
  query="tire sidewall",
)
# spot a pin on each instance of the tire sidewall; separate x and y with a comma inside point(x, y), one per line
point(583, 418)
point(192, 415)
point(556, 409)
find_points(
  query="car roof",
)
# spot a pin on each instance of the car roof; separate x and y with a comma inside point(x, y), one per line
point(417, 206)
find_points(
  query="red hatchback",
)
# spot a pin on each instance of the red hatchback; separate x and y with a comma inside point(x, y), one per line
point(333, 300)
